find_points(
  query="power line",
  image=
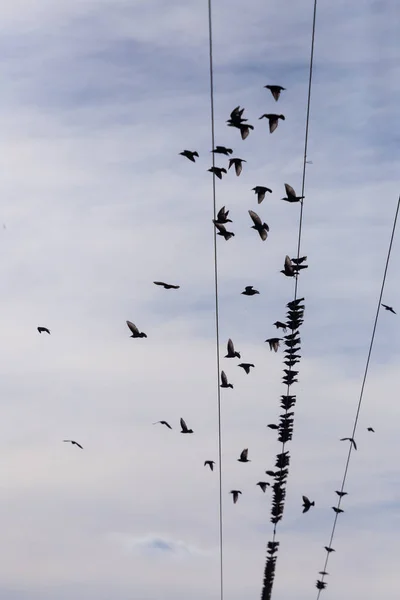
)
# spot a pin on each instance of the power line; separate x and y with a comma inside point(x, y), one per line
point(346, 468)
point(221, 539)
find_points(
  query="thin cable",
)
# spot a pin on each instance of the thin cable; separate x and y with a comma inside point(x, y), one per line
point(221, 539)
point(363, 382)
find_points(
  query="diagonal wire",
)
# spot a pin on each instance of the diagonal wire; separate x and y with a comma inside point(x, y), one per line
point(346, 468)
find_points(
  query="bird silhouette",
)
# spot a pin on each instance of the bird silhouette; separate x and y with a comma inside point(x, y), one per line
point(223, 232)
point(43, 329)
point(323, 573)
point(235, 495)
point(291, 194)
point(262, 228)
point(222, 217)
point(237, 162)
point(243, 456)
point(350, 439)
point(222, 150)
point(231, 350)
point(245, 130)
point(167, 286)
point(273, 426)
point(184, 427)
point(189, 154)
point(249, 291)
point(329, 549)
point(389, 308)
point(263, 485)
point(209, 463)
point(340, 494)
point(135, 331)
point(298, 261)
point(280, 325)
point(337, 510)
point(371, 429)
point(224, 381)
point(273, 343)
point(273, 121)
point(288, 267)
point(307, 504)
point(217, 171)
point(163, 423)
point(246, 367)
point(74, 443)
point(275, 90)
point(260, 191)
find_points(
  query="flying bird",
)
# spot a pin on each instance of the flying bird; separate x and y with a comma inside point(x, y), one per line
point(245, 130)
point(340, 494)
point(249, 291)
point(291, 194)
point(273, 343)
point(190, 155)
point(184, 427)
point(273, 426)
point(235, 495)
point(224, 381)
point(135, 331)
point(222, 150)
point(389, 308)
point(243, 456)
point(231, 350)
point(275, 90)
point(209, 463)
point(350, 440)
point(238, 164)
point(337, 510)
point(273, 121)
point(307, 504)
point(288, 267)
point(246, 367)
point(280, 325)
point(260, 191)
point(42, 329)
point(222, 217)
point(298, 261)
point(223, 232)
point(371, 429)
point(263, 485)
point(329, 549)
point(163, 423)
point(217, 171)
point(262, 228)
point(167, 286)
point(74, 443)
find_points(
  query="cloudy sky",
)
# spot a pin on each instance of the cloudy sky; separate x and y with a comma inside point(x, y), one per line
point(98, 98)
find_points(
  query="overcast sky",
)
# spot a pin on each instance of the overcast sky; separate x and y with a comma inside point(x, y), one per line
point(98, 97)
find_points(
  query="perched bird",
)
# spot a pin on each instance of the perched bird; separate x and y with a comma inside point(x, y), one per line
point(371, 429)
point(280, 325)
point(209, 463)
point(163, 423)
point(350, 440)
point(275, 90)
point(260, 190)
point(135, 331)
point(288, 268)
point(291, 194)
point(238, 164)
point(262, 228)
point(243, 456)
point(263, 485)
point(74, 443)
point(249, 291)
point(273, 426)
point(273, 121)
point(389, 308)
point(217, 171)
point(190, 155)
point(224, 381)
point(323, 573)
point(246, 367)
point(222, 231)
point(42, 329)
point(274, 343)
point(329, 549)
point(184, 427)
point(222, 150)
point(167, 286)
point(231, 350)
point(337, 510)
point(320, 585)
point(222, 217)
point(307, 504)
point(340, 494)
point(235, 495)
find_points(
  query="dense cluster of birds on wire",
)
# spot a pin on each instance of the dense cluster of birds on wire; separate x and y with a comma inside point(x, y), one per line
point(291, 341)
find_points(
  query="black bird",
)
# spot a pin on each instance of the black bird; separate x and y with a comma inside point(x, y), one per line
point(224, 381)
point(135, 331)
point(42, 329)
point(323, 573)
point(222, 150)
point(249, 291)
point(274, 343)
point(163, 423)
point(263, 485)
point(273, 426)
point(74, 443)
point(389, 308)
point(222, 216)
point(190, 155)
point(246, 367)
point(262, 228)
point(217, 171)
point(184, 427)
point(350, 440)
point(222, 231)
point(280, 325)
point(238, 164)
point(167, 286)
point(307, 504)
point(243, 456)
point(235, 495)
point(273, 121)
point(337, 510)
point(275, 90)
point(291, 194)
point(209, 463)
point(340, 494)
point(245, 130)
point(288, 268)
point(260, 190)
point(236, 114)
point(329, 549)
point(231, 350)
point(298, 261)
point(320, 585)
point(371, 429)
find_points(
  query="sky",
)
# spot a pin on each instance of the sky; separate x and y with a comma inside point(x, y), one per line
point(98, 99)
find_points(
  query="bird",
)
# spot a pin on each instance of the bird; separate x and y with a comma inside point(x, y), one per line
point(243, 456)
point(307, 504)
point(262, 228)
point(273, 426)
point(249, 291)
point(246, 367)
point(350, 440)
point(291, 194)
point(42, 329)
point(209, 463)
point(135, 331)
point(337, 510)
point(371, 429)
point(275, 90)
point(184, 427)
point(340, 494)
point(273, 121)
point(163, 423)
point(190, 155)
point(298, 261)
point(222, 216)
point(273, 343)
point(167, 286)
point(236, 115)
point(263, 485)
point(74, 443)
point(218, 171)
point(224, 381)
point(223, 232)
point(260, 190)
point(280, 325)
point(329, 549)
point(244, 130)
point(231, 350)
point(323, 572)
point(238, 164)
point(222, 150)
point(235, 495)
point(389, 308)
point(288, 267)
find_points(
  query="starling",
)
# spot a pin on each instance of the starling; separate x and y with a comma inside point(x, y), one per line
point(217, 171)
point(222, 231)
point(163, 423)
point(167, 286)
point(298, 261)
point(371, 429)
point(243, 456)
point(42, 329)
point(275, 90)
point(245, 130)
point(262, 228)
point(246, 367)
point(74, 443)
point(210, 463)
point(263, 485)
point(249, 291)
point(337, 510)
point(389, 308)
point(235, 494)
point(307, 504)
point(273, 121)
point(222, 216)
point(238, 164)
point(224, 381)
point(274, 343)
point(135, 331)
point(288, 268)
point(231, 350)
point(350, 440)
point(260, 190)
point(340, 494)
point(273, 426)
point(280, 325)
point(190, 155)
point(329, 549)
point(184, 427)
point(291, 194)
point(222, 150)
